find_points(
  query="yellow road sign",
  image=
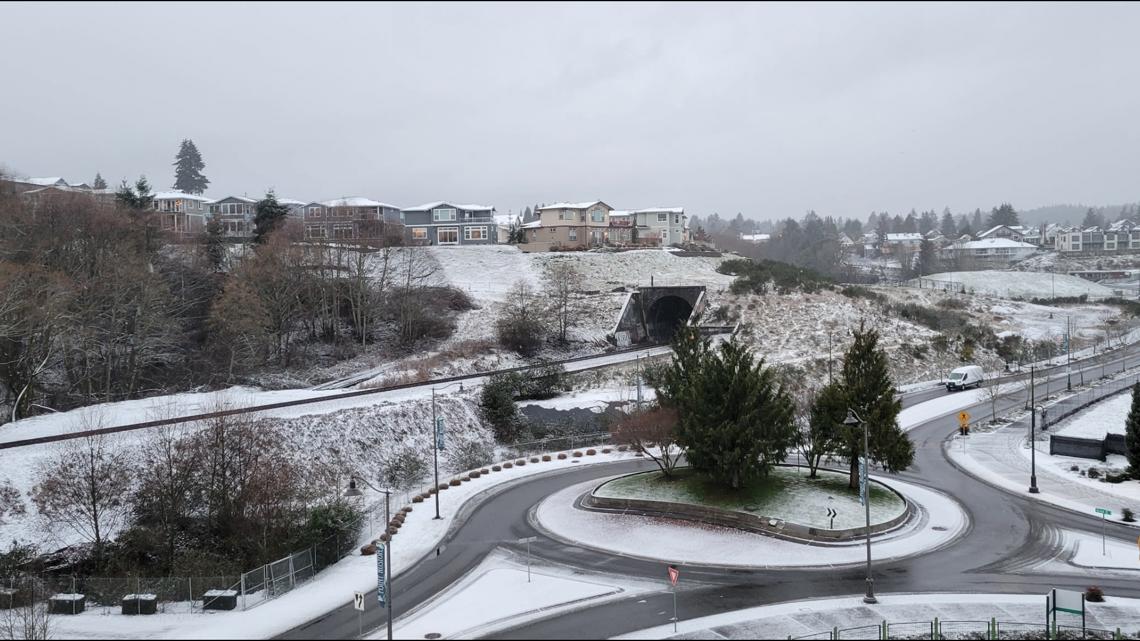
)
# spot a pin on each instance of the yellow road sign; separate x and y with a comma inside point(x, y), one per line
point(963, 418)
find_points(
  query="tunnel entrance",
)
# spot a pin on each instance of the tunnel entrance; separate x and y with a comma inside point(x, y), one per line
point(665, 316)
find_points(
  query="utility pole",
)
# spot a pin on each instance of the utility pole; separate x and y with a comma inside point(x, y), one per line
point(1069, 350)
point(1032, 434)
point(435, 450)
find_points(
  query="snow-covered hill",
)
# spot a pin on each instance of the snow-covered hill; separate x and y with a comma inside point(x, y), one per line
point(1017, 284)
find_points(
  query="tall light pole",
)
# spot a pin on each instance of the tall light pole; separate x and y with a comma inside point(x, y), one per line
point(1069, 352)
point(854, 421)
point(1032, 434)
point(354, 491)
point(436, 438)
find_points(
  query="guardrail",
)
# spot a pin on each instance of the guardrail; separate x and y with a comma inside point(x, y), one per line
point(993, 629)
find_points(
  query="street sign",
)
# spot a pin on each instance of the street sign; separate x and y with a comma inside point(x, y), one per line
point(439, 433)
point(529, 539)
point(381, 585)
point(831, 514)
point(674, 574)
point(1103, 512)
point(358, 600)
point(963, 418)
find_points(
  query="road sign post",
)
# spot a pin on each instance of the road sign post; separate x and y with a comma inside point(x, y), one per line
point(358, 603)
point(1103, 513)
point(831, 514)
point(674, 574)
point(528, 540)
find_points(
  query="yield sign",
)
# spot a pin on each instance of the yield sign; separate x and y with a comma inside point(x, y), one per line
point(674, 574)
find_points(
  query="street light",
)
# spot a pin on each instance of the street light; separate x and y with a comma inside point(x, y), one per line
point(436, 434)
point(854, 421)
point(1032, 434)
point(354, 491)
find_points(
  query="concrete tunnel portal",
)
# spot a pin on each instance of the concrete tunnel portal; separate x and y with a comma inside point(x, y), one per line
point(653, 314)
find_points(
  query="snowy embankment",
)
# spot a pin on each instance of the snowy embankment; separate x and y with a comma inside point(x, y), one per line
point(1018, 284)
point(819, 616)
point(331, 588)
point(1106, 417)
point(683, 542)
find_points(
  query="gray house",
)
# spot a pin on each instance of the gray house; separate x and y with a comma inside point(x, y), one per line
point(236, 214)
point(445, 223)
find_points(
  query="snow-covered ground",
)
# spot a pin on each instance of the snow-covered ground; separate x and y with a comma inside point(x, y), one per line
point(820, 616)
point(497, 594)
point(941, 520)
point(1021, 284)
point(334, 586)
point(1090, 551)
point(1106, 417)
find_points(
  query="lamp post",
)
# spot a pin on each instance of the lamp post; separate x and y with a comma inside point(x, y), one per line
point(436, 434)
point(1032, 434)
point(354, 491)
point(854, 421)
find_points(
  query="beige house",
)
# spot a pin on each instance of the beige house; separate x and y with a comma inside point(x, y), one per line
point(564, 226)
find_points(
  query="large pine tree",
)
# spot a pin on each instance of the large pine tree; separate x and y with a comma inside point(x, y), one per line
point(1003, 215)
point(188, 168)
point(927, 258)
point(734, 420)
point(948, 228)
point(99, 183)
point(868, 389)
point(1132, 434)
point(269, 215)
point(214, 242)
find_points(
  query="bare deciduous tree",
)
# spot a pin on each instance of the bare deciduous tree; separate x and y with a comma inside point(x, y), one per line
point(563, 280)
point(522, 324)
point(29, 618)
point(10, 502)
point(653, 432)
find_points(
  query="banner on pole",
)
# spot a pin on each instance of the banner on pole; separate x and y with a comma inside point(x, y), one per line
point(439, 433)
point(862, 482)
point(381, 585)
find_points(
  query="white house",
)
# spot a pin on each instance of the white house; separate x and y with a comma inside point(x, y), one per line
point(989, 250)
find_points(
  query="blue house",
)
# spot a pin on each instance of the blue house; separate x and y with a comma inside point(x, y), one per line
point(445, 223)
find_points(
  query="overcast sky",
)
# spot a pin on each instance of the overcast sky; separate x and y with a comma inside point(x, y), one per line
point(769, 110)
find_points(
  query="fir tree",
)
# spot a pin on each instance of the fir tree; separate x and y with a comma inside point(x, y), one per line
point(868, 389)
point(137, 197)
point(948, 228)
point(1003, 215)
point(188, 168)
point(215, 242)
point(734, 420)
point(1092, 219)
point(269, 215)
point(927, 258)
point(99, 183)
point(1132, 434)
point(976, 222)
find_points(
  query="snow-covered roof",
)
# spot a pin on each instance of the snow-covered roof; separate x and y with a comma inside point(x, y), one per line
point(180, 195)
point(986, 233)
point(54, 181)
point(755, 237)
point(355, 201)
point(534, 224)
point(244, 199)
point(620, 213)
point(586, 205)
point(900, 238)
point(659, 210)
point(440, 203)
point(995, 243)
point(291, 201)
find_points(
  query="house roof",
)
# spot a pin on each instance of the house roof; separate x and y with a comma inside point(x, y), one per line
point(534, 224)
point(53, 181)
point(180, 195)
point(755, 237)
point(438, 203)
point(291, 201)
point(355, 201)
point(995, 243)
point(620, 213)
point(898, 238)
point(244, 199)
point(585, 205)
point(991, 230)
point(659, 210)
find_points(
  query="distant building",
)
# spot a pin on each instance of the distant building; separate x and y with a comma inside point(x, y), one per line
point(236, 215)
point(757, 239)
point(180, 213)
point(445, 223)
point(1004, 231)
point(999, 251)
point(564, 226)
point(899, 244)
point(347, 219)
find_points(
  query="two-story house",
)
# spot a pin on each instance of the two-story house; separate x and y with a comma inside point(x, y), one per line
point(236, 215)
point(181, 213)
point(446, 223)
point(664, 226)
point(1003, 231)
point(352, 218)
point(569, 226)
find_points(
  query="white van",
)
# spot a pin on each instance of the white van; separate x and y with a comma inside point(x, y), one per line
point(964, 377)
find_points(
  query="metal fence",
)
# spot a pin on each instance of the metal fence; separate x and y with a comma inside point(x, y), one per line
point(1075, 446)
point(558, 443)
point(991, 629)
point(173, 594)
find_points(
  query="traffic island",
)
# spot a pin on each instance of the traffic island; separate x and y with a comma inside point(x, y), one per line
point(787, 503)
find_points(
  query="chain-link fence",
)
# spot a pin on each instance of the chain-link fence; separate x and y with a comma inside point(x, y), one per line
point(171, 594)
point(558, 443)
point(992, 629)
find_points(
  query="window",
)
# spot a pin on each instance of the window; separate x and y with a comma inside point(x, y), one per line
point(676, 219)
point(662, 218)
point(552, 231)
point(448, 235)
point(419, 233)
point(534, 236)
point(314, 231)
point(474, 233)
point(343, 230)
point(443, 215)
point(314, 212)
point(573, 234)
point(598, 215)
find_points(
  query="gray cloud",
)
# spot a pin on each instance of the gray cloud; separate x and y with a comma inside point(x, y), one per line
point(765, 109)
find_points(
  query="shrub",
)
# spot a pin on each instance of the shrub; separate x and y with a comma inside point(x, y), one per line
point(1110, 477)
point(508, 465)
point(471, 455)
point(577, 453)
point(406, 509)
point(546, 458)
point(1093, 473)
point(1127, 515)
point(465, 478)
point(591, 452)
point(474, 474)
point(1093, 594)
point(534, 459)
point(455, 482)
point(497, 406)
point(368, 550)
point(484, 471)
point(496, 468)
point(951, 303)
point(443, 486)
point(623, 448)
point(418, 498)
point(521, 462)
point(855, 291)
point(1074, 468)
point(606, 450)
point(405, 467)
point(338, 519)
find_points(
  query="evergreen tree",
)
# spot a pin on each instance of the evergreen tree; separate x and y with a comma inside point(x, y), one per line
point(868, 389)
point(188, 168)
point(215, 242)
point(137, 197)
point(734, 420)
point(927, 258)
point(1132, 434)
point(527, 215)
point(1003, 215)
point(948, 228)
point(99, 183)
point(976, 222)
point(268, 216)
point(1092, 219)
point(927, 222)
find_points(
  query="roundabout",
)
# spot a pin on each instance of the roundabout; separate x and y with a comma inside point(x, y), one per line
point(921, 521)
